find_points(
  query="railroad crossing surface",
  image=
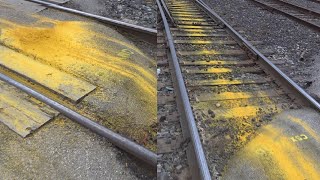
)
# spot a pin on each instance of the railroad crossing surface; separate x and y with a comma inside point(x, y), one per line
point(86, 66)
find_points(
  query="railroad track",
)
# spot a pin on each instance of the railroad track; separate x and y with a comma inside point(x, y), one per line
point(307, 16)
point(217, 86)
point(37, 92)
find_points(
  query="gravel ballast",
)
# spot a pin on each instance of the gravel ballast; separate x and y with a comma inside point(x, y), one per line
point(140, 12)
point(295, 44)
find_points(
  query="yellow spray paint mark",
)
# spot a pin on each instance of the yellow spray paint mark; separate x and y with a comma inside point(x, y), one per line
point(306, 127)
point(298, 138)
point(289, 162)
point(125, 54)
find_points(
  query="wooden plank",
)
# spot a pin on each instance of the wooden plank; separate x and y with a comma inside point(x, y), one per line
point(196, 23)
point(60, 82)
point(176, 34)
point(222, 70)
point(211, 52)
point(21, 113)
point(218, 42)
point(217, 62)
point(199, 27)
point(238, 95)
point(220, 82)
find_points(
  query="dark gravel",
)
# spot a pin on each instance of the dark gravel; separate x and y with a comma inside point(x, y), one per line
point(306, 4)
point(140, 12)
point(295, 44)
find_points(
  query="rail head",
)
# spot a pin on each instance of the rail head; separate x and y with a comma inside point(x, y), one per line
point(275, 71)
point(187, 110)
point(168, 12)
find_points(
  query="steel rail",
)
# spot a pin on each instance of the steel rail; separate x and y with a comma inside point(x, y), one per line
point(118, 140)
point(121, 24)
point(297, 8)
point(194, 134)
point(167, 12)
point(276, 71)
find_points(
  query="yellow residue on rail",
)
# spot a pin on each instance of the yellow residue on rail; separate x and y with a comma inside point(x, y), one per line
point(281, 158)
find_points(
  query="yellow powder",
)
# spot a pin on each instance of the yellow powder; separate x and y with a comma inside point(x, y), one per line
point(109, 63)
point(65, 45)
point(288, 160)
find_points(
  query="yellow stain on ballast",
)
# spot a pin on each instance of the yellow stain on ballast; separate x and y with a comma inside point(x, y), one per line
point(245, 109)
point(239, 116)
point(280, 157)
